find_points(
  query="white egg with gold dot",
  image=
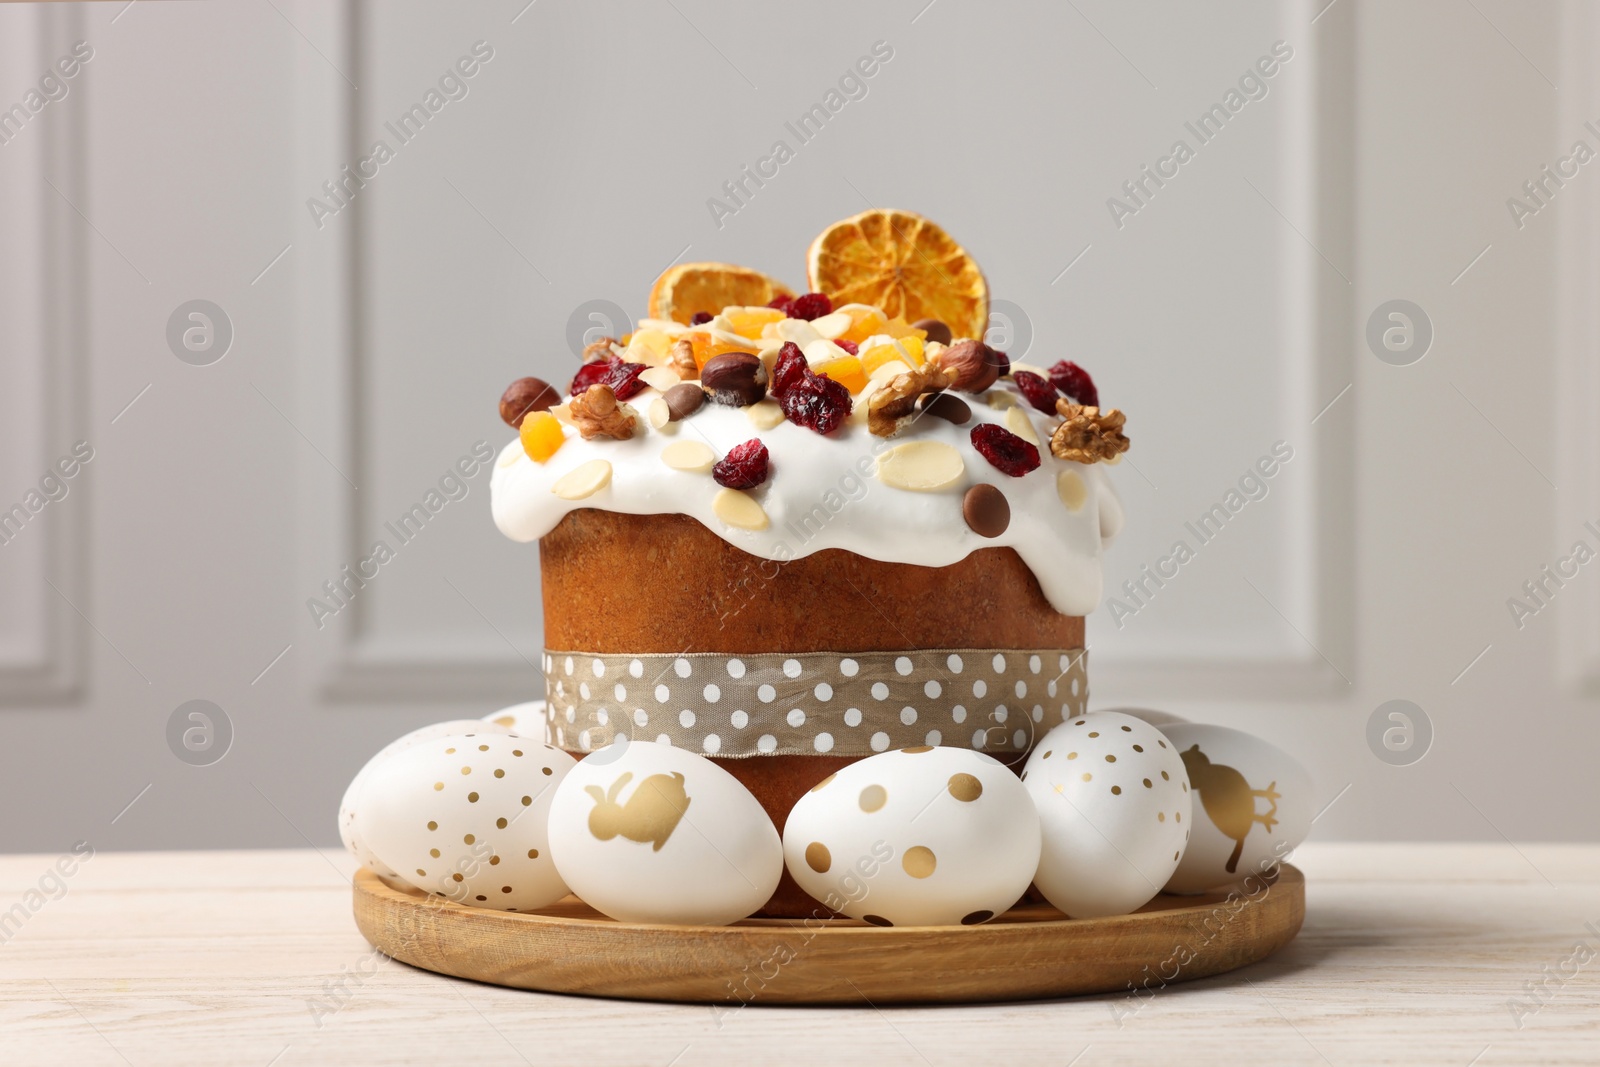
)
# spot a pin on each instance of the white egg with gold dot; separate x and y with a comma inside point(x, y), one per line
point(465, 816)
point(920, 836)
point(351, 808)
point(645, 832)
point(1114, 811)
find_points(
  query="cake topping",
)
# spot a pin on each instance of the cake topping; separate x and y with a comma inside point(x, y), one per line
point(806, 390)
point(937, 331)
point(737, 379)
point(584, 480)
point(972, 365)
point(1008, 453)
point(738, 510)
point(622, 377)
point(905, 265)
point(986, 510)
point(946, 406)
point(1074, 381)
point(680, 357)
point(693, 456)
point(1088, 434)
point(525, 395)
point(541, 435)
point(921, 466)
point(810, 306)
point(683, 400)
point(596, 413)
point(898, 398)
point(744, 467)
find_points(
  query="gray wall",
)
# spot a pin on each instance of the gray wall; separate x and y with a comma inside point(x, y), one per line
point(1227, 313)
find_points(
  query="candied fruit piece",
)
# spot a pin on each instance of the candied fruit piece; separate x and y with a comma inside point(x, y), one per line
point(848, 372)
point(542, 435)
point(865, 320)
point(1040, 393)
point(898, 328)
point(744, 467)
point(1075, 382)
point(912, 345)
point(810, 306)
point(1007, 452)
point(623, 377)
point(875, 356)
point(749, 322)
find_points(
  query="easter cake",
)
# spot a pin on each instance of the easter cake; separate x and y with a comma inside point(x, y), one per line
point(790, 532)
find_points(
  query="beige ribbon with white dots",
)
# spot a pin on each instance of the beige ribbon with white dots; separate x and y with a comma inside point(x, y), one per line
point(998, 701)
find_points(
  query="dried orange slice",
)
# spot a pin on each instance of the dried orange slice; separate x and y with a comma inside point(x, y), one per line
point(687, 288)
point(904, 264)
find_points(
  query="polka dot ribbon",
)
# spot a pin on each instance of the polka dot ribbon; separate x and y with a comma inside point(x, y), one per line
point(815, 703)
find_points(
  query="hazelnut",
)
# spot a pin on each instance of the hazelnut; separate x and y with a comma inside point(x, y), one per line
point(525, 395)
point(972, 365)
point(737, 379)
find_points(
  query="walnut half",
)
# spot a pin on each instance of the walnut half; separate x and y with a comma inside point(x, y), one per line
point(1088, 434)
point(897, 398)
point(596, 413)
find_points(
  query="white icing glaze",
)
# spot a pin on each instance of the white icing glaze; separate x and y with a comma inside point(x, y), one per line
point(830, 479)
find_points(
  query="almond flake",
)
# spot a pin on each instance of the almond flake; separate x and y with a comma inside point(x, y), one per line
point(765, 415)
point(892, 369)
point(660, 378)
point(821, 351)
point(660, 415)
point(797, 330)
point(689, 455)
point(831, 326)
point(584, 480)
point(1071, 490)
point(739, 510)
point(1017, 422)
point(1000, 399)
point(921, 466)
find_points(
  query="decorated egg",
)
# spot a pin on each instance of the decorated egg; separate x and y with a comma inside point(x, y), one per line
point(350, 808)
point(1114, 813)
point(464, 816)
point(527, 719)
point(1252, 805)
point(649, 833)
point(917, 837)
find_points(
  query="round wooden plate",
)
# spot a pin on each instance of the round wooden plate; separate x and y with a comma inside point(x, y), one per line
point(1031, 951)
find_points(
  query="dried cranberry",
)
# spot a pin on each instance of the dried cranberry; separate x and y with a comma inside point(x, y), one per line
point(621, 376)
point(1002, 361)
point(744, 467)
point(1075, 382)
point(700, 318)
point(849, 346)
point(781, 303)
point(1040, 393)
point(818, 403)
point(789, 369)
point(808, 399)
point(810, 306)
point(1008, 453)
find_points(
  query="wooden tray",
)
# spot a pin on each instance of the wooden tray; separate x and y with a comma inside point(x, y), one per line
point(1031, 951)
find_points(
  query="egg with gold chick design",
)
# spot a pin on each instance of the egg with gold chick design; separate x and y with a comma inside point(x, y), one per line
point(351, 807)
point(465, 817)
point(920, 836)
point(645, 832)
point(1114, 811)
point(1252, 806)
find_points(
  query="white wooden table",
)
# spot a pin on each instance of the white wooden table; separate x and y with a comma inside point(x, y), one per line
point(1410, 954)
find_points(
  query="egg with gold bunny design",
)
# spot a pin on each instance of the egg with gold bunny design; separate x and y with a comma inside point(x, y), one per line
point(645, 832)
